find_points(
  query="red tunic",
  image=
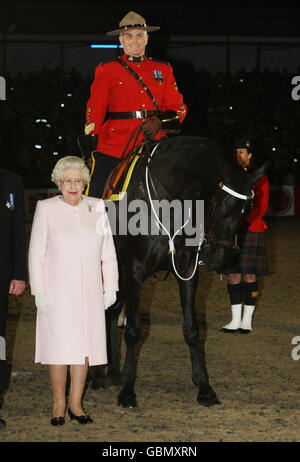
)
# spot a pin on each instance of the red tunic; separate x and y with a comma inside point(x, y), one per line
point(116, 90)
point(259, 205)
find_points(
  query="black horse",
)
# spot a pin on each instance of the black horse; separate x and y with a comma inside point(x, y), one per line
point(186, 170)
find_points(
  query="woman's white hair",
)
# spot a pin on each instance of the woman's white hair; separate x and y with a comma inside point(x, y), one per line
point(70, 162)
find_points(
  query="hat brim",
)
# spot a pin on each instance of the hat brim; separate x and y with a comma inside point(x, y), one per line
point(146, 28)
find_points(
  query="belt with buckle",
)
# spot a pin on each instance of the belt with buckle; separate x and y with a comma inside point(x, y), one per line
point(140, 114)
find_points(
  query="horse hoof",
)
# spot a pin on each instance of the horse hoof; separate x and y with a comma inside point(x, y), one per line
point(207, 397)
point(127, 400)
point(208, 401)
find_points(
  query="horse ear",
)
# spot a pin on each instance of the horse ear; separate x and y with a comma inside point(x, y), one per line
point(255, 176)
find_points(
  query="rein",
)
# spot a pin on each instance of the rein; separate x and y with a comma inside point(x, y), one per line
point(172, 249)
point(133, 150)
point(209, 237)
point(202, 238)
point(134, 136)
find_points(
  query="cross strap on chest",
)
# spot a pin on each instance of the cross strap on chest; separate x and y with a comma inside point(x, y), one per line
point(140, 81)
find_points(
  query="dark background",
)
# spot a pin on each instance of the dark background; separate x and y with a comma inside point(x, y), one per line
point(224, 104)
point(243, 17)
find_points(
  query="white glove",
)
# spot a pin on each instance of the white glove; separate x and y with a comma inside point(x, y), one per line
point(41, 303)
point(109, 299)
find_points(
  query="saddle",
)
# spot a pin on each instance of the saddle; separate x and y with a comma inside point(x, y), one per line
point(117, 183)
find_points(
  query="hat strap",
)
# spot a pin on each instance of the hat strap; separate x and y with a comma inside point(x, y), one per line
point(132, 26)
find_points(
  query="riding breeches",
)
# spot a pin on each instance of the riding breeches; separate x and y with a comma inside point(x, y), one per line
point(102, 166)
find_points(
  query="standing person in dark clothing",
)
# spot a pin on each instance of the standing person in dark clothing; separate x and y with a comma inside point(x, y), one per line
point(13, 253)
point(242, 280)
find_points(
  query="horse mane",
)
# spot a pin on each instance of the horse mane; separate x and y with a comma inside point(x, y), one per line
point(199, 162)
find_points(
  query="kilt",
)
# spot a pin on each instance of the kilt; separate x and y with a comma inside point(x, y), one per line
point(252, 258)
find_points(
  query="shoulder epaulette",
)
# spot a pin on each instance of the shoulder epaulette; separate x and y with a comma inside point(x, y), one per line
point(160, 61)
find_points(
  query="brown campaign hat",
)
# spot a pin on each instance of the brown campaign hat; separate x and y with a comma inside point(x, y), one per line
point(132, 20)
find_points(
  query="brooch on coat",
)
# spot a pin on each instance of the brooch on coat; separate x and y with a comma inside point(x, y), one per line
point(90, 205)
point(10, 203)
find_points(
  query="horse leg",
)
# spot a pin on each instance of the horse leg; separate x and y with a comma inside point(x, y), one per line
point(113, 376)
point(98, 377)
point(206, 395)
point(127, 396)
point(104, 376)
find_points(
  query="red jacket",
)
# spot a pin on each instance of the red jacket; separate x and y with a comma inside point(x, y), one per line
point(259, 205)
point(116, 90)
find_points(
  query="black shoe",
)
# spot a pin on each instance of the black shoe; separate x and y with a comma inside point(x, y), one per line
point(229, 331)
point(57, 421)
point(244, 331)
point(82, 419)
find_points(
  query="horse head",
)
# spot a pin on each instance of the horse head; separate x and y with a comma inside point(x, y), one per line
point(228, 208)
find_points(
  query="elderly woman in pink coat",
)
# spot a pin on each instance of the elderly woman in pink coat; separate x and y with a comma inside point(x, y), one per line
point(74, 277)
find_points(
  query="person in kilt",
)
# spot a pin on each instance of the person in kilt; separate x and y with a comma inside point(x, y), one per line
point(242, 279)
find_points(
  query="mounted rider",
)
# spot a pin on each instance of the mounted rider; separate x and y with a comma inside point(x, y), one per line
point(120, 104)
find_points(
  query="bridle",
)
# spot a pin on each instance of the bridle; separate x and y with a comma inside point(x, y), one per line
point(236, 194)
point(171, 238)
point(208, 237)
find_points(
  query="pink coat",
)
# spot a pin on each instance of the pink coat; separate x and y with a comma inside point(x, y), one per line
point(72, 260)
